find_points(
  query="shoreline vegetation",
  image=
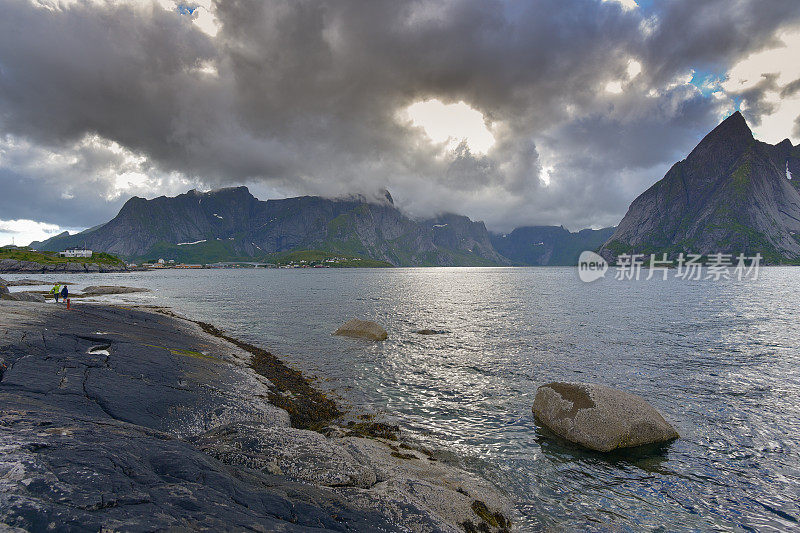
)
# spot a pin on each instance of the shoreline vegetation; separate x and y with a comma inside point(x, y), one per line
point(22, 259)
point(44, 257)
point(25, 260)
point(139, 418)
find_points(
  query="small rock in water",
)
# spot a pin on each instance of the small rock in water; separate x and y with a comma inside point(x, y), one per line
point(430, 332)
point(598, 417)
point(364, 329)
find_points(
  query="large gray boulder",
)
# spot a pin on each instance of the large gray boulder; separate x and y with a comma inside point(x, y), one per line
point(598, 417)
point(364, 329)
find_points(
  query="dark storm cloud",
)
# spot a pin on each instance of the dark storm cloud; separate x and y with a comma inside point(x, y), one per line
point(307, 94)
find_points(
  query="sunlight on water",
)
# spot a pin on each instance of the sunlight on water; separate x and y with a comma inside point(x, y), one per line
point(720, 360)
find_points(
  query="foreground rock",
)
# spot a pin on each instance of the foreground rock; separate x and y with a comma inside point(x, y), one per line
point(377, 474)
point(99, 290)
point(23, 297)
point(5, 294)
point(364, 329)
point(598, 417)
point(118, 419)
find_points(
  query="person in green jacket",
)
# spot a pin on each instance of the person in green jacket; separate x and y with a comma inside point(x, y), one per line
point(56, 291)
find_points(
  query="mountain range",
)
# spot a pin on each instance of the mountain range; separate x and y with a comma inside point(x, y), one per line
point(732, 194)
point(547, 245)
point(232, 225)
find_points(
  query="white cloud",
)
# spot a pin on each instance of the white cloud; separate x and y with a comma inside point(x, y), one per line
point(614, 87)
point(634, 69)
point(83, 182)
point(626, 4)
point(782, 64)
point(546, 175)
point(22, 232)
point(451, 124)
point(781, 61)
point(203, 11)
point(205, 18)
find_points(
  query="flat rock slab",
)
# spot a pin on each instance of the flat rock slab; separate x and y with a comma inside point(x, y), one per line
point(99, 290)
point(119, 419)
point(364, 329)
point(22, 296)
point(598, 417)
point(91, 426)
point(26, 282)
point(64, 471)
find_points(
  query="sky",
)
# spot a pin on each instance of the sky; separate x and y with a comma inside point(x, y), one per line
point(511, 112)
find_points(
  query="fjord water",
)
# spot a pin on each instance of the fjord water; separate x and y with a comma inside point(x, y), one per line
point(721, 361)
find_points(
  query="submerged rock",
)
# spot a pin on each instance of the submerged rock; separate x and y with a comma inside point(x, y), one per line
point(98, 290)
point(27, 282)
point(430, 332)
point(364, 329)
point(598, 417)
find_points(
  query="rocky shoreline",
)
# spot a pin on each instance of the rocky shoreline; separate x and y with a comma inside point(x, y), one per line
point(130, 419)
point(14, 266)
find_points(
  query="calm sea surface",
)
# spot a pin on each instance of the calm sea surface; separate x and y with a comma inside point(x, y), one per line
point(721, 360)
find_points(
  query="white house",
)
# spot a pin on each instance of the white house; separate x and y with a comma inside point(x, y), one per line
point(76, 252)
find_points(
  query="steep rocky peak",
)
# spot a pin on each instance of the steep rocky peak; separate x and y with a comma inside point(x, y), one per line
point(733, 133)
point(133, 203)
point(721, 149)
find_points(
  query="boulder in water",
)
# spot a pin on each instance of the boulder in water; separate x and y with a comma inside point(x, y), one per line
point(364, 329)
point(598, 417)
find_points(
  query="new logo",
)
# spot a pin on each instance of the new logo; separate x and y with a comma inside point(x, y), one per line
point(591, 266)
